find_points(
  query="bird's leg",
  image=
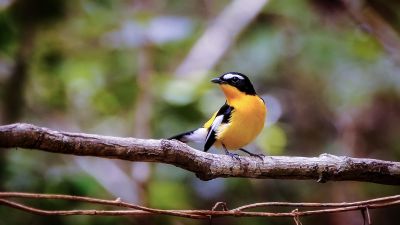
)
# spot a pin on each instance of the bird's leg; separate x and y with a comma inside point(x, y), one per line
point(233, 155)
point(252, 154)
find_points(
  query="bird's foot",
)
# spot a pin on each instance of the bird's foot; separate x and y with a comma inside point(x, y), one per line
point(260, 156)
point(233, 155)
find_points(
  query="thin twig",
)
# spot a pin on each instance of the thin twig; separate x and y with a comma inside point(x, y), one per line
point(116, 202)
point(313, 204)
point(71, 212)
point(296, 217)
point(136, 210)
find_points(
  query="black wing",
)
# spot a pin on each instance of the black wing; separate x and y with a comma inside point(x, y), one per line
point(223, 116)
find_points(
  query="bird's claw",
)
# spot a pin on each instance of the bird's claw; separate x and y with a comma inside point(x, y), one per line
point(260, 156)
point(233, 155)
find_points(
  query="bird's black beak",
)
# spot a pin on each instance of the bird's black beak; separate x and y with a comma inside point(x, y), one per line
point(218, 81)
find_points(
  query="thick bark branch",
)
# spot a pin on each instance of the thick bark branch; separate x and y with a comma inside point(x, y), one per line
point(205, 165)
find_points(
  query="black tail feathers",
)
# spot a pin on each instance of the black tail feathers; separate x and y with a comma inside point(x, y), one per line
point(182, 137)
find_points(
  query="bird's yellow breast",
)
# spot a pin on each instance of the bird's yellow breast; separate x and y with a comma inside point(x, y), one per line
point(246, 122)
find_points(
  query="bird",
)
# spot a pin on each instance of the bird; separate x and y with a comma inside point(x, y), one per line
point(237, 123)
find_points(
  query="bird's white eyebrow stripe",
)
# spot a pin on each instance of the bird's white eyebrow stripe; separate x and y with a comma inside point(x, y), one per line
point(229, 76)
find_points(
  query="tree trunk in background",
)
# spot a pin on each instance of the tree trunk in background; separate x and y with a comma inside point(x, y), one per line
point(14, 90)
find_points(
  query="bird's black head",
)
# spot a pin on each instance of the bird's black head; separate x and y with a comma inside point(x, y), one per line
point(238, 80)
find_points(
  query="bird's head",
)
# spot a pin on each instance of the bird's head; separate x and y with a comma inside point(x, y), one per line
point(234, 84)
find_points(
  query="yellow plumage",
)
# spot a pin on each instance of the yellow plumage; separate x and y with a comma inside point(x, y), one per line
point(237, 122)
point(246, 122)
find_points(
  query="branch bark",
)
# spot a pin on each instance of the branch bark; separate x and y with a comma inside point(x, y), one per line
point(206, 166)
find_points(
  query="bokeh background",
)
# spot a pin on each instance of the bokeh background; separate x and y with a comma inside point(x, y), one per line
point(328, 70)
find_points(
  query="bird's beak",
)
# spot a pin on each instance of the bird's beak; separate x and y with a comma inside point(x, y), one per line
point(218, 81)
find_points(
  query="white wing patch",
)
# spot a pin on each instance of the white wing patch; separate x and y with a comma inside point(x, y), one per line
point(198, 135)
point(230, 76)
point(216, 123)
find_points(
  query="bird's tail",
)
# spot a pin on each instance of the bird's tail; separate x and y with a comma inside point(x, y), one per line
point(181, 137)
point(197, 135)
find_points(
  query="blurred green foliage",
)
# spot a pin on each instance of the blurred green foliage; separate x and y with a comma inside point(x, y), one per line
point(102, 66)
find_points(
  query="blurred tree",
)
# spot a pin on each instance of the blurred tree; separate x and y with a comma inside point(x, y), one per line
point(28, 17)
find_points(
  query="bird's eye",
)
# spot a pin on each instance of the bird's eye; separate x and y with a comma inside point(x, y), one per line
point(235, 79)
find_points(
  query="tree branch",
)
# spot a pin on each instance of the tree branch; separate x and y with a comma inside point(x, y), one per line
point(205, 165)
